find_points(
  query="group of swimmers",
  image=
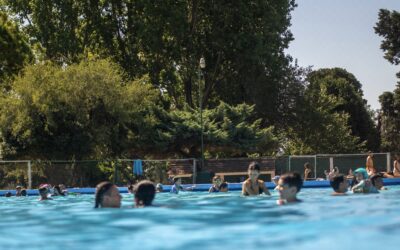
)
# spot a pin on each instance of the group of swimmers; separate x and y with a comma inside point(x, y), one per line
point(364, 180)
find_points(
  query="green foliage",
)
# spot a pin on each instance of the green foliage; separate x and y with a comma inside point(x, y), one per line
point(388, 27)
point(165, 39)
point(389, 120)
point(80, 111)
point(14, 52)
point(228, 130)
point(321, 129)
point(349, 100)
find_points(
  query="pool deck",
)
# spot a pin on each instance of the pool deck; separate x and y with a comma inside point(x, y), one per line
point(203, 187)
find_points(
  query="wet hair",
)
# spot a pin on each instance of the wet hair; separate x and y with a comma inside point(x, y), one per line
point(43, 190)
point(223, 185)
point(374, 178)
point(8, 194)
point(336, 180)
point(145, 192)
point(293, 180)
point(254, 166)
point(23, 192)
point(58, 190)
point(101, 189)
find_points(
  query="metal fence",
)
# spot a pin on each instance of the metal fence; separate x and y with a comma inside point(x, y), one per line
point(123, 172)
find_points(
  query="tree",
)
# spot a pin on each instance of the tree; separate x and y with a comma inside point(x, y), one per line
point(15, 51)
point(321, 128)
point(165, 39)
point(388, 27)
point(389, 120)
point(78, 112)
point(349, 95)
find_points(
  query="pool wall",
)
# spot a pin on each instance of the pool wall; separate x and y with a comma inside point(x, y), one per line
point(203, 187)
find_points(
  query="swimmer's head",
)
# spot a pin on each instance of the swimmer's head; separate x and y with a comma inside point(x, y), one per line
point(23, 192)
point(339, 183)
point(107, 195)
point(159, 187)
point(144, 193)
point(8, 194)
point(223, 187)
point(289, 185)
point(217, 180)
point(44, 190)
point(361, 174)
point(276, 179)
point(253, 170)
point(377, 181)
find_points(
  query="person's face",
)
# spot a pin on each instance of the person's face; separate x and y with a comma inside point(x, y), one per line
point(112, 198)
point(359, 176)
point(343, 186)
point(217, 181)
point(253, 174)
point(285, 191)
point(18, 189)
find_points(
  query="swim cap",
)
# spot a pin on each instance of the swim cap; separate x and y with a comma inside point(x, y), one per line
point(362, 171)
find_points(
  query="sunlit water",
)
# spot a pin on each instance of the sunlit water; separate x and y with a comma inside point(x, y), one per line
point(197, 220)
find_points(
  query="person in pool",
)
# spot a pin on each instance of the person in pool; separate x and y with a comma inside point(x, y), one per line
point(18, 190)
point(307, 171)
point(24, 192)
point(44, 192)
point(289, 185)
point(177, 186)
point(223, 188)
point(339, 184)
point(57, 191)
point(8, 194)
point(215, 186)
point(107, 195)
point(159, 188)
point(144, 193)
point(254, 186)
point(369, 165)
point(377, 181)
point(396, 166)
point(275, 180)
point(361, 183)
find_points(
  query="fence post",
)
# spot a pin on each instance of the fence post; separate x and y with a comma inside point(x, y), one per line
point(315, 166)
point(331, 163)
point(194, 171)
point(388, 162)
point(29, 175)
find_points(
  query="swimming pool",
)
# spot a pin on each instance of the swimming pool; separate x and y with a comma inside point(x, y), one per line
point(198, 220)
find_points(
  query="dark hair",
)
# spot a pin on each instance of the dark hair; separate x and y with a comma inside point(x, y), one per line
point(101, 189)
point(145, 192)
point(42, 190)
point(23, 192)
point(336, 180)
point(307, 165)
point(223, 185)
point(293, 180)
point(254, 166)
point(58, 189)
point(375, 177)
point(8, 194)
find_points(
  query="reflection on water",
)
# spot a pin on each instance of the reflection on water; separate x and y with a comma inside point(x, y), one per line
point(193, 220)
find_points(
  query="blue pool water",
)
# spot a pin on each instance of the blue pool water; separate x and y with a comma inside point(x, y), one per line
point(198, 220)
